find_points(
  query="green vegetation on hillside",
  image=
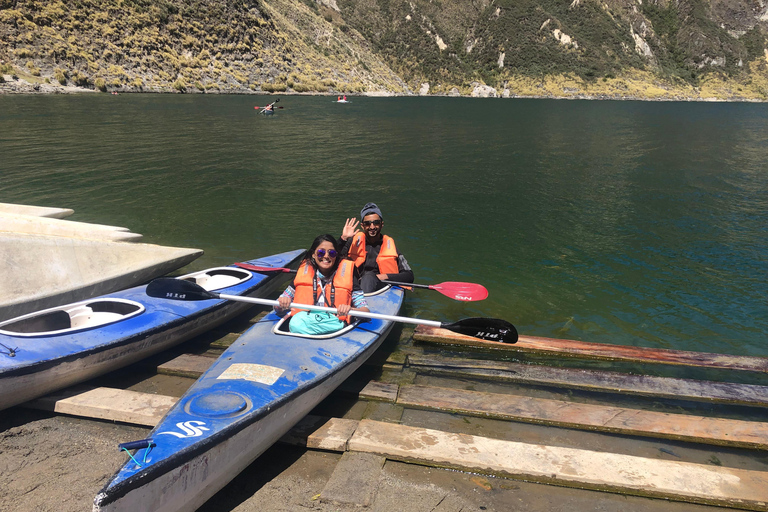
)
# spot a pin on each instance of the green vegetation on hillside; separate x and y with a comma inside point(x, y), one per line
point(556, 47)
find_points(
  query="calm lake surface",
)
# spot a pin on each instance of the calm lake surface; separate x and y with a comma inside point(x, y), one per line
point(618, 222)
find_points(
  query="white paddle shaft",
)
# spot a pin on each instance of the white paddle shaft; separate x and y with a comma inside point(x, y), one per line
point(352, 312)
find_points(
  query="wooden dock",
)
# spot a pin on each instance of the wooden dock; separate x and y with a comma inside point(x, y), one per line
point(367, 443)
point(626, 474)
point(596, 351)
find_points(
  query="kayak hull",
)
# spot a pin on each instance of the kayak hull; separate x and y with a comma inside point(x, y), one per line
point(48, 362)
point(255, 392)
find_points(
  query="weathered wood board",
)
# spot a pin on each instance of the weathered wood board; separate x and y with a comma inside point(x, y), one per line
point(107, 404)
point(598, 351)
point(186, 365)
point(681, 427)
point(595, 380)
point(624, 474)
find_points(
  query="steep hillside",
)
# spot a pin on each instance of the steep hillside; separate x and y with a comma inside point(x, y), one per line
point(564, 48)
point(583, 44)
point(197, 46)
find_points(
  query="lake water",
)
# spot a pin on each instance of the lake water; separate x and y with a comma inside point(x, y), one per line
point(618, 222)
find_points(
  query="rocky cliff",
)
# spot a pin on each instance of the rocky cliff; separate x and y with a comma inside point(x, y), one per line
point(564, 48)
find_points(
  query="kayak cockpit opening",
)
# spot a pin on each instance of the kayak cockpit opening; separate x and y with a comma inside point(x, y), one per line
point(281, 327)
point(217, 278)
point(72, 317)
point(378, 292)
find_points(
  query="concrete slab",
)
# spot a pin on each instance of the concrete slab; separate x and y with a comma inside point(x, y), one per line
point(355, 479)
point(16, 223)
point(46, 271)
point(682, 481)
point(39, 211)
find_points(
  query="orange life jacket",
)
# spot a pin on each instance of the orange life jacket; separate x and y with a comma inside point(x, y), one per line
point(386, 260)
point(338, 290)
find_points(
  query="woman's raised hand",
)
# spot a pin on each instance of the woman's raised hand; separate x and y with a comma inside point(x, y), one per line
point(350, 228)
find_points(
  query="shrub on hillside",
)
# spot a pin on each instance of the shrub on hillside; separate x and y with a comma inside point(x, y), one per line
point(60, 75)
point(100, 84)
point(268, 87)
point(33, 70)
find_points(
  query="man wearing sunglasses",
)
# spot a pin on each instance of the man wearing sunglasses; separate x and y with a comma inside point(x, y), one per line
point(374, 254)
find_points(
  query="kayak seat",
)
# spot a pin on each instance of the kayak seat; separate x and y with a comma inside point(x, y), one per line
point(379, 291)
point(53, 321)
point(218, 278)
point(71, 318)
point(281, 327)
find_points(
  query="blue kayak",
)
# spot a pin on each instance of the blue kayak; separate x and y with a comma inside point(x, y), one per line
point(51, 349)
point(259, 388)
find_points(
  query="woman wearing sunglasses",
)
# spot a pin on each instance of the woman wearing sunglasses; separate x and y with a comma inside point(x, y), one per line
point(323, 279)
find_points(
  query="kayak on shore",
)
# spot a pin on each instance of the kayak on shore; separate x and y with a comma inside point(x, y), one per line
point(51, 349)
point(259, 388)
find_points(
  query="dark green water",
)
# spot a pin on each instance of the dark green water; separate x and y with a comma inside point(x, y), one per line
point(618, 222)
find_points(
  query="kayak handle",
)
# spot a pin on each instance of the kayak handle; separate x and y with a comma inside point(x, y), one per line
point(136, 445)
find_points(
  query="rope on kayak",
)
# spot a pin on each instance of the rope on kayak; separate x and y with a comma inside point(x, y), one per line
point(11, 351)
point(144, 443)
point(131, 456)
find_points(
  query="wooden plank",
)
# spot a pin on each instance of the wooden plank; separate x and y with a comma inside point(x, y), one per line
point(225, 341)
point(383, 391)
point(186, 365)
point(597, 351)
point(333, 434)
point(681, 427)
point(624, 474)
point(681, 481)
point(596, 380)
point(107, 404)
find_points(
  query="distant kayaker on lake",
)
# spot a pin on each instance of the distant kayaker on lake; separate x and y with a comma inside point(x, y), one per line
point(375, 255)
point(323, 279)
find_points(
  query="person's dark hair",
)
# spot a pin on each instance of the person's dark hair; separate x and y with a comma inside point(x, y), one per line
point(320, 239)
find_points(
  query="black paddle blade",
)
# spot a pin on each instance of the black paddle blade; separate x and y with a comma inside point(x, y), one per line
point(491, 329)
point(178, 289)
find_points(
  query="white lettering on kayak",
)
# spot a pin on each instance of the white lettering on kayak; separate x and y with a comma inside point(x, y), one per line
point(193, 428)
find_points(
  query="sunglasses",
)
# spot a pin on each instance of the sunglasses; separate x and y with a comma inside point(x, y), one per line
point(321, 253)
point(368, 223)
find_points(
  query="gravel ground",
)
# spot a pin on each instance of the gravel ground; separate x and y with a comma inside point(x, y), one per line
point(57, 463)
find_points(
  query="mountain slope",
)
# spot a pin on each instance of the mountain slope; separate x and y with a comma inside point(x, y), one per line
point(603, 48)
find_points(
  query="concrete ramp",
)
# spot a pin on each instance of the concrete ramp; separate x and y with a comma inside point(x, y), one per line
point(37, 211)
point(40, 272)
point(30, 224)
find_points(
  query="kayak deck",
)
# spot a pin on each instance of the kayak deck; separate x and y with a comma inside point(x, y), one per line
point(255, 392)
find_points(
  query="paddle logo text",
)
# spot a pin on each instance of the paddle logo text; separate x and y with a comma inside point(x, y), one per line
point(462, 297)
point(173, 295)
point(193, 428)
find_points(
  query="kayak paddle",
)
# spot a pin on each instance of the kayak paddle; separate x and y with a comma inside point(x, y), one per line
point(255, 268)
point(455, 290)
point(491, 329)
